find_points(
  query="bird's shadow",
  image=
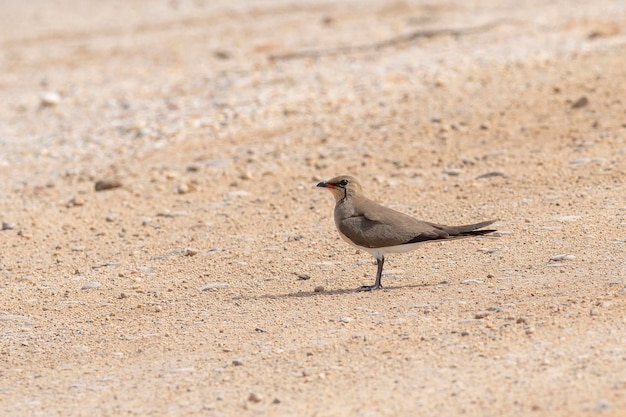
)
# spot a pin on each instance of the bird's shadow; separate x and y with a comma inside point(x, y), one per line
point(306, 294)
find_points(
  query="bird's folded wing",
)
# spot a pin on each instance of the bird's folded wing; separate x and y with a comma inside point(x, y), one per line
point(385, 228)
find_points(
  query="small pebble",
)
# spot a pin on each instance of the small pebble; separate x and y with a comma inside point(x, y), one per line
point(346, 319)
point(107, 184)
point(214, 286)
point(319, 288)
point(453, 172)
point(304, 277)
point(491, 174)
point(91, 285)
point(246, 175)
point(255, 397)
point(24, 235)
point(75, 202)
point(171, 215)
point(190, 252)
point(49, 98)
point(182, 188)
point(221, 54)
point(185, 188)
point(580, 161)
point(158, 308)
point(8, 226)
point(581, 102)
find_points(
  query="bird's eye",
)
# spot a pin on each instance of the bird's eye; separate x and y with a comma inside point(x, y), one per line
point(343, 183)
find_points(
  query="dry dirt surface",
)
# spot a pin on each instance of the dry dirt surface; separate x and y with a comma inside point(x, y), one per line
point(205, 276)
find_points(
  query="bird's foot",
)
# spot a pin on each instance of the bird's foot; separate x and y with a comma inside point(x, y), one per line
point(370, 287)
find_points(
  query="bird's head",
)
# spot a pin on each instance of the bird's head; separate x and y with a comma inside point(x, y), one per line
point(342, 186)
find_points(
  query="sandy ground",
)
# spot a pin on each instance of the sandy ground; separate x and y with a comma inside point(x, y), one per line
point(190, 289)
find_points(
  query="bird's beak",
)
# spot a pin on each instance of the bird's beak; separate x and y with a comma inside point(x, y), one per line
point(324, 184)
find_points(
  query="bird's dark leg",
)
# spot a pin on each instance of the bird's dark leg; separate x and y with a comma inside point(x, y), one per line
point(379, 273)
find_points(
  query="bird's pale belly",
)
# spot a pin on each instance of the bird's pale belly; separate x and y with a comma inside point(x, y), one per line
point(380, 252)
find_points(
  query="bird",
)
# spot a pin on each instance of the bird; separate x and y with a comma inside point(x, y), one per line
point(380, 230)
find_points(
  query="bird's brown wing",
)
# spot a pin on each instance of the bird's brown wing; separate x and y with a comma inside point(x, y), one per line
point(372, 225)
point(376, 226)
